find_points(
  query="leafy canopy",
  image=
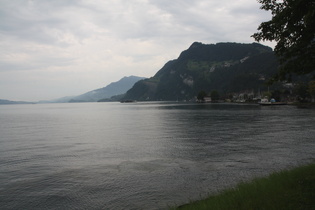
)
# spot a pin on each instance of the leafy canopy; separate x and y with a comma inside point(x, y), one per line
point(293, 28)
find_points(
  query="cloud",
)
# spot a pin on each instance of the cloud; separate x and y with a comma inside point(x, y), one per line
point(77, 45)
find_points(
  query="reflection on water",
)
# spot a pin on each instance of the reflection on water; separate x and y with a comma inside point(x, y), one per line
point(142, 155)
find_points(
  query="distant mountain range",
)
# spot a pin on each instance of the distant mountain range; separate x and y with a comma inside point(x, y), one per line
point(224, 67)
point(2, 101)
point(114, 88)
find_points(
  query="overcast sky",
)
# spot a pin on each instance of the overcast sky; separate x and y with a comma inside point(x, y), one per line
point(55, 48)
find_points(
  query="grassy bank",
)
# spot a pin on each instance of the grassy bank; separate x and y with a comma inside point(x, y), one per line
point(289, 189)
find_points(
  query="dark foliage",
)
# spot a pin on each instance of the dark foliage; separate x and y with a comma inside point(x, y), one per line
point(293, 28)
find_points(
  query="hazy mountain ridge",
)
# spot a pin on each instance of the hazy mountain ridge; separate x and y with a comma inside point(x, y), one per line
point(114, 88)
point(225, 67)
point(3, 101)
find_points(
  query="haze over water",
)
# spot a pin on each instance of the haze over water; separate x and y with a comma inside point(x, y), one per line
point(142, 155)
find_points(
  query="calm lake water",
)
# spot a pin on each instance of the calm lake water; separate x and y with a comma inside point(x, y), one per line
point(142, 155)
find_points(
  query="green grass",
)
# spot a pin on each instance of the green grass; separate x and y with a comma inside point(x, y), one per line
point(289, 189)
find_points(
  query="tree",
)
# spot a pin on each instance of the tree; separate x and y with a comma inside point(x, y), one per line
point(293, 28)
point(214, 95)
point(311, 90)
point(301, 90)
point(201, 95)
point(267, 95)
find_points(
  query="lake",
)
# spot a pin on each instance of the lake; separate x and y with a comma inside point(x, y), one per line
point(142, 155)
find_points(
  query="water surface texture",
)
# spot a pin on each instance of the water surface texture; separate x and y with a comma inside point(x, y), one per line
point(142, 155)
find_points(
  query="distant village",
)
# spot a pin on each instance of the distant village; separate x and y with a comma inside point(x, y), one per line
point(289, 94)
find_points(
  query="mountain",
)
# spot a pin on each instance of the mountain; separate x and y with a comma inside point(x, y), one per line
point(2, 101)
point(114, 88)
point(65, 99)
point(224, 67)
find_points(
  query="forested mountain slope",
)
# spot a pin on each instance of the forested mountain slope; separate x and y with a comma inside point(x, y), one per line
point(224, 67)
